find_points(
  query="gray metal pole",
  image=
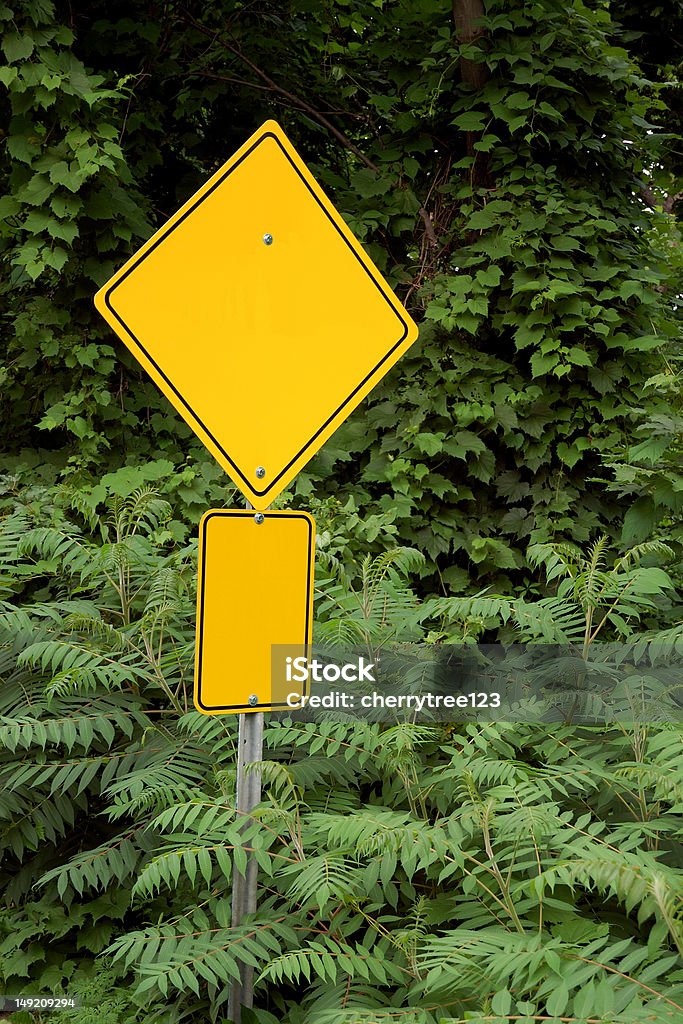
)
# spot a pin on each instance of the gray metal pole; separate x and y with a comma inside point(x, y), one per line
point(249, 749)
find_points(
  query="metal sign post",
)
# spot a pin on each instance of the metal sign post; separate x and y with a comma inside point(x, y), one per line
point(249, 749)
point(247, 796)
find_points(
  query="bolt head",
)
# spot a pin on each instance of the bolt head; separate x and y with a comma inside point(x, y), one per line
point(267, 239)
point(260, 472)
point(252, 700)
point(259, 518)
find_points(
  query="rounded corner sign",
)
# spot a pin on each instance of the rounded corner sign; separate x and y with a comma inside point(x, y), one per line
point(255, 590)
point(259, 315)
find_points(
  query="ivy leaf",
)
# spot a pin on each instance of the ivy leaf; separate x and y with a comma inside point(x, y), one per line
point(8, 207)
point(543, 364)
point(472, 121)
point(639, 521)
point(71, 177)
point(491, 277)
point(17, 47)
point(430, 444)
point(8, 75)
point(37, 190)
point(630, 288)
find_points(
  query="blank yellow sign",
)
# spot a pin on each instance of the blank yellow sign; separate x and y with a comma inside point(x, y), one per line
point(255, 590)
point(259, 315)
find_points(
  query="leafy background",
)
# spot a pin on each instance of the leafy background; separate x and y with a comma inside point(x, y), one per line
point(518, 474)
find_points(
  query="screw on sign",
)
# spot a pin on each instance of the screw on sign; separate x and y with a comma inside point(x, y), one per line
point(209, 303)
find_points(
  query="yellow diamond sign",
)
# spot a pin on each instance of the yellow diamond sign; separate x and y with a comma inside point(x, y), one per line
point(259, 315)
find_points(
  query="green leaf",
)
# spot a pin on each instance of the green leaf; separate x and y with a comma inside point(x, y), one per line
point(16, 46)
point(430, 444)
point(71, 176)
point(37, 190)
point(543, 364)
point(472, 121)
point(9, 207)
point(502, 1002)
point(491, 277)
point(556, 1003)
point(8, 75)
point(630, 288)
point(639, 521)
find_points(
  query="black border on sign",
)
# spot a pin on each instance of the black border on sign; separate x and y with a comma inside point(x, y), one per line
point(239, 514)
point(176, 392)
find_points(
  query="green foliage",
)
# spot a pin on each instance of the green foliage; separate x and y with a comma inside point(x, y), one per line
point(414, 872)
point(529, 224)
point(589, 601)
point(491, 892)
point(71, 203)
point(592, 600)
point(425, 874)
point(382, 608)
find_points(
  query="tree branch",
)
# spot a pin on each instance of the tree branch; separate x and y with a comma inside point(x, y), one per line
point(429, 227)
point(280, 90)
point(666, 203)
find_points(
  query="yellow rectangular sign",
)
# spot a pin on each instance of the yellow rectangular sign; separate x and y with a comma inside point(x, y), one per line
point(255, 590)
